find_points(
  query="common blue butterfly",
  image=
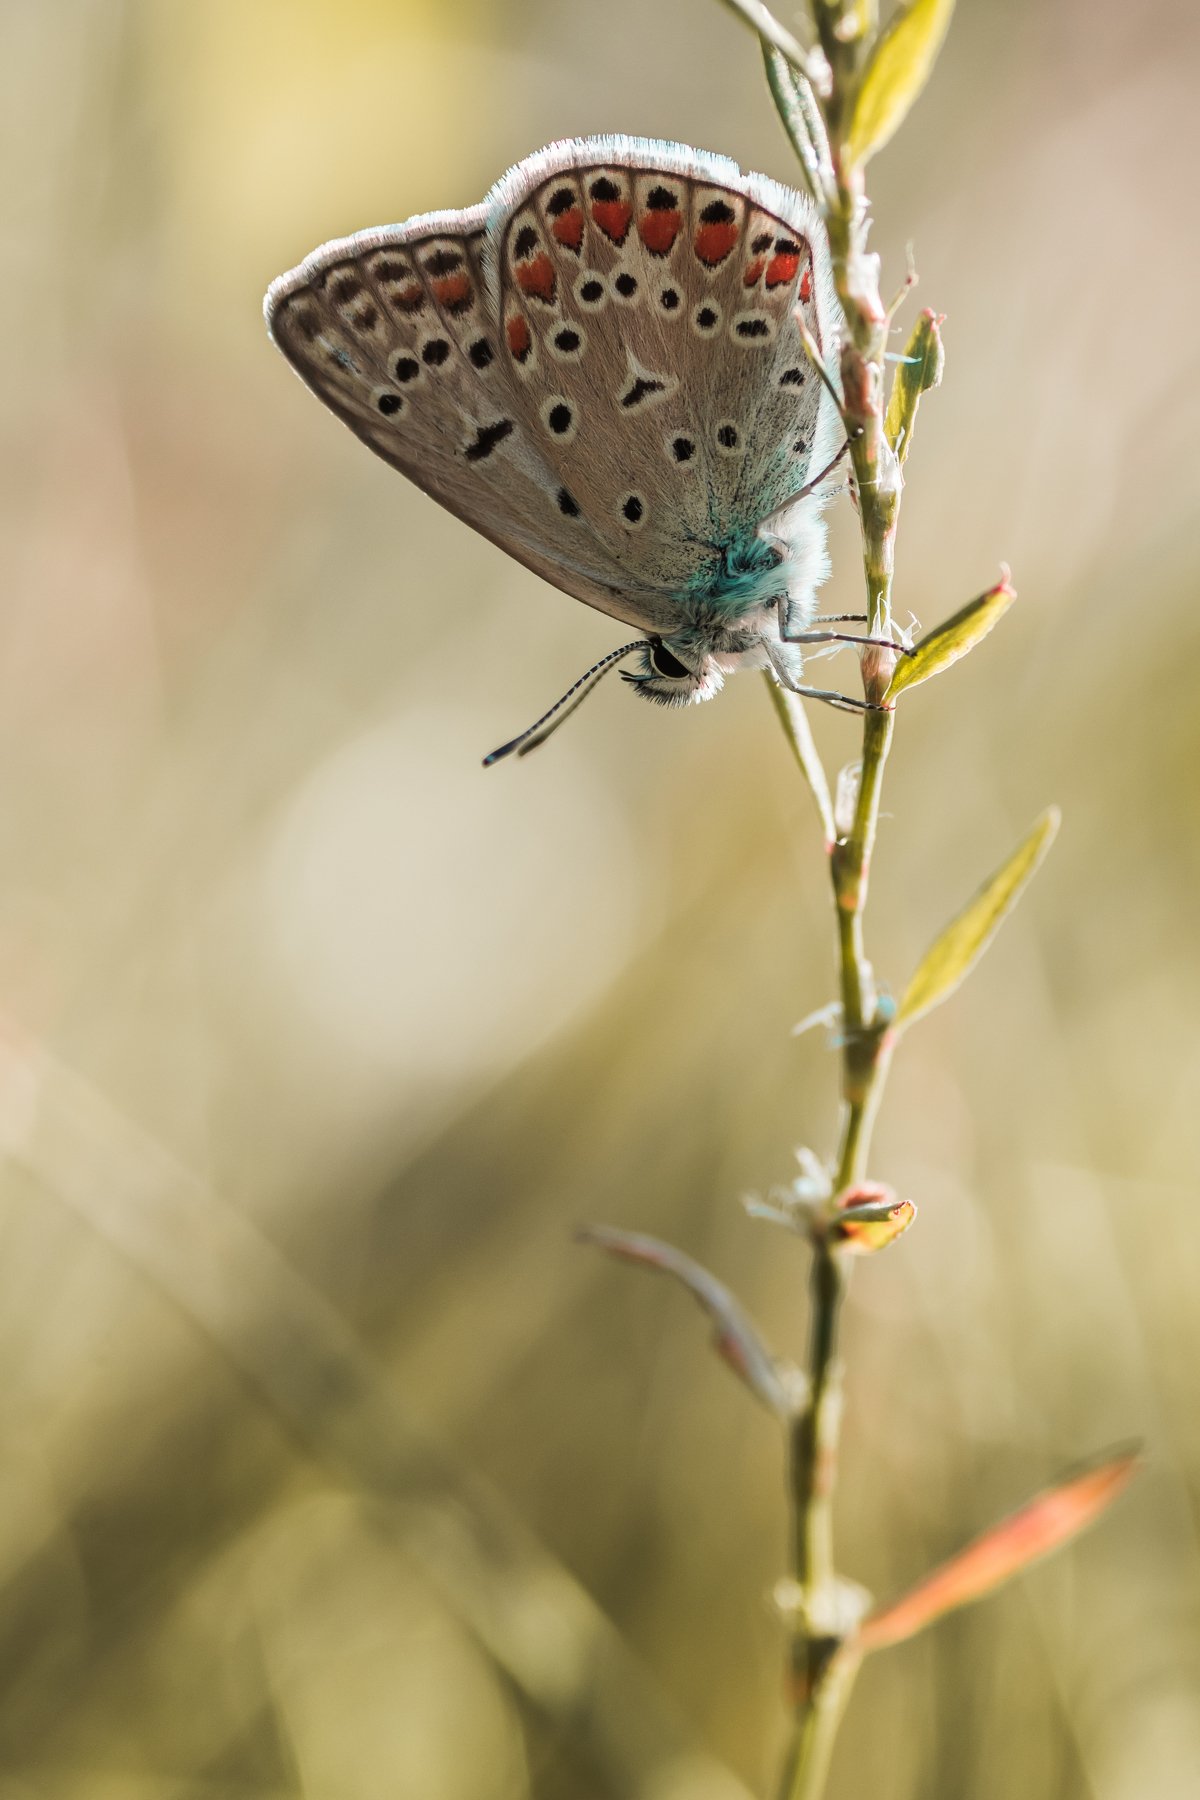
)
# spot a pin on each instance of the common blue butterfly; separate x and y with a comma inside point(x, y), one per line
point(599, 368)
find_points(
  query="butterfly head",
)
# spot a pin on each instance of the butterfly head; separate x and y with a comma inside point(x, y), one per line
point(674, 672)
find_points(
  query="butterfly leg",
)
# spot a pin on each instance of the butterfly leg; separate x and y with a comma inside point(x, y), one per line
point(843, 702)
point(847, 637)
point(832, 637)
point(810, 487)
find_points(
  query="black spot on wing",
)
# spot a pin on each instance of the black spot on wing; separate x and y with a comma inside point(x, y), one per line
point(486, 439)
point(641, 390)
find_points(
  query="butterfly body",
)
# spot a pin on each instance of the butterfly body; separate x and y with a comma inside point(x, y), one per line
point(600, 369)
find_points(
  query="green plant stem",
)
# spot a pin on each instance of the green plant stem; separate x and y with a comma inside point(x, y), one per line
point(806, 1764)
point(822, 1674)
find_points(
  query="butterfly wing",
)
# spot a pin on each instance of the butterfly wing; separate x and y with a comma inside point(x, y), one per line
point(395, 331)
point(647, 294)
point(597, 368)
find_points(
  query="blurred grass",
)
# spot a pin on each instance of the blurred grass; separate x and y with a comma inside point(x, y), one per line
point(417, 1022)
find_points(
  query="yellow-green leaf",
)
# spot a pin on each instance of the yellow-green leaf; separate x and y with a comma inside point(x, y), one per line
point(919, 370)
point(950, 640)
point(1051, 1519)
point(899, 68)
point(950, 959)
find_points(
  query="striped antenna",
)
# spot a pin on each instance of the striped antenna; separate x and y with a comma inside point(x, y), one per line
point(575, 695)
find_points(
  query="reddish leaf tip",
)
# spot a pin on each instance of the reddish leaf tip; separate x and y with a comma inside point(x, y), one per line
point(1050, 1519)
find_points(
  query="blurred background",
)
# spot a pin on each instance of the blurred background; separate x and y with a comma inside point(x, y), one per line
point(331, 1468)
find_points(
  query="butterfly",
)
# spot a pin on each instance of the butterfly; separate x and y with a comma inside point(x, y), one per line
point(600, 369)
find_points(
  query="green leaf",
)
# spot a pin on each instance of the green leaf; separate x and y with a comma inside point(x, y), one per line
point(899, 67)
point(794, 720)
point(801, 119)
point(954, 954)
point(950, 640)
point(1051, 1519)
point(735, 1337)
point(921, 369)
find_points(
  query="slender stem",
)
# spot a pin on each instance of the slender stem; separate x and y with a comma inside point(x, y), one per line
point(822, 1671)
point(806, 1763)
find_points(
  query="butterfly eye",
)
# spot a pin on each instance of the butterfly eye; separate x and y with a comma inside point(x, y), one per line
point(665, 663)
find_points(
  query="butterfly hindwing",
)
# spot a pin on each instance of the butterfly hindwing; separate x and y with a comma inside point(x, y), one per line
point(650, 295)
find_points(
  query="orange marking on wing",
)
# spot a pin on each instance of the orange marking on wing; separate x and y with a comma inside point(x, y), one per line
point(410, 299)
point(568, 228)
point(658, 231)
point(806, 285)
point(782, 268)
point(713, 243)
point(536, 277)
point(452, 291)
point(612, 216)
point(753, 271)
point(519, 340)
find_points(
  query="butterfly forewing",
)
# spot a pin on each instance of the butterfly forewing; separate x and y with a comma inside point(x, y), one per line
point(396, 332)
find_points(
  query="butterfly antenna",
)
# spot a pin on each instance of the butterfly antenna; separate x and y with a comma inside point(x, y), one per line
point(575, 695)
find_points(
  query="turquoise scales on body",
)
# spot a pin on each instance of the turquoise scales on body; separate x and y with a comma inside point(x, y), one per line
point(600, 369)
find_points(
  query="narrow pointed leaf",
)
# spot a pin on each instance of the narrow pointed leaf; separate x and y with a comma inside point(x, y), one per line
point(921, 369)
point(735, 1337)
point(1053, 1518)
point(801, 119)
point(900, 66)
point(761, 19)
point(794, 720)
point(952, 639)
point(952, 956)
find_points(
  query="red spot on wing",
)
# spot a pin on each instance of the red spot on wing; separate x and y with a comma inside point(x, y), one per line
point(713, 243)
point(568, 228)
point(536, 277)
point(782, 268)
point(658, 230)
point(517, 333)
point(453, 292)
point(612, 216)
point(806, 285)
point(410, 299)
point(753, 271)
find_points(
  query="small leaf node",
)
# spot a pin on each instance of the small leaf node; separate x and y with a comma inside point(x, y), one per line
point(869, 1217)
